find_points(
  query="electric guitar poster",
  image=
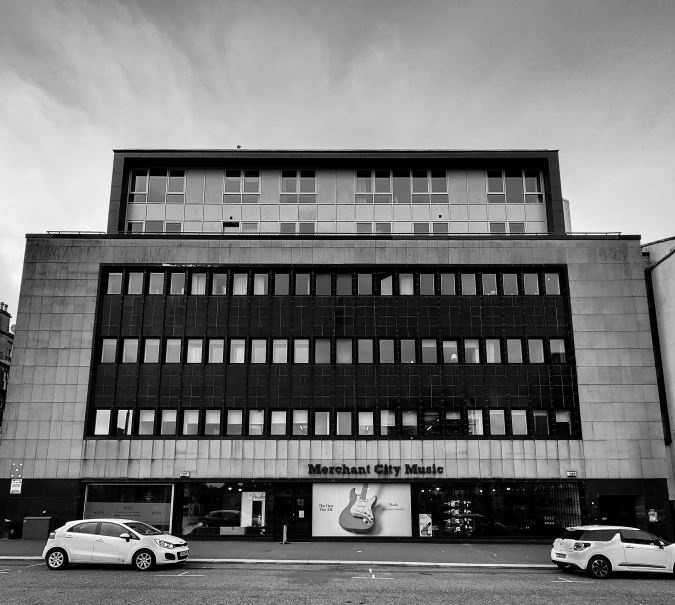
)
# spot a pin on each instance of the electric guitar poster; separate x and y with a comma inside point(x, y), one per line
point(361, 510)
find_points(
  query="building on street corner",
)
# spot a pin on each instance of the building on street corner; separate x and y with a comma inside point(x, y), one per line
point(348, 344)
point(6, 346)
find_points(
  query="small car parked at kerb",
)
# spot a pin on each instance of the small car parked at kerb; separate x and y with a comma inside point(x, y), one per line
point(601, 550)
point(116, 541)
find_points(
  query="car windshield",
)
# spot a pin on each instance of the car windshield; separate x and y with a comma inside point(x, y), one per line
point(143, 528)
point(573, 534)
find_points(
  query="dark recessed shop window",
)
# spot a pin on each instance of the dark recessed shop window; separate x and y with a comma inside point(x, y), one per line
point(282, 284)
point(323, 285)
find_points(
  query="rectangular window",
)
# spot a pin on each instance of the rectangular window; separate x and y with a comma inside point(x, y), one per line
point(278, 423)
point(489, 284)
point(343, 425)
point(497, 422)
point(287, 227)
point(343, 350)
point(366, 423)
point(172, 351)
point(552, 284)
point(407, 351)
point(258, 351)
point(108, 350)
point(382, 227)
point(365, 350)
point(364, 182)
point(212, 422)
point(432, 423)
point(146, 422)
point(558, 351)
point(260, 284)
point(249, 227)
point(364, 227)
point(450, 352)
point(194, 350)
point(130, 350)
point(235, 422)
point(124, 422)
point(453, 422)
point(536, 350)
point(514, 351)
point(440, 227)
point(387, 422)
point(518, 422)
point(302, 284)
point(405, 284)
point(240, 284)
point(323, 286)
point(386, 351)
point(429, 352)
point(154, 226)
point(198, 284)
point(322, 424)
point(114, 283)
point(427, 284)
point(531, 284)
point(176, 183)
point(343, 284)
point(475, 419)
point(216, 350)
point(177, 285)
point(533, 191)
point(471, 351)
point(301, 350)
point(173, 227)
point(540, 422)
point(280, 350)
point(256, 422)
point(420, 227)
point(493, 353)
point(386, 285)
point(219, 284)
point(237, 351)
point(138, 183)
point(102, 422)
point(510, 282)
point(409, 422)
point(448, 284)
point(514, 186)
point(300, 422)
point(563, 421)
point(497, 227)
point(135, 285)
point(191, 422)
point(365, 284)
point(168, 426)
point(495, 187)
point(468, 284)
point(281, 284)
point(156, 285)
point(516, 227)
point(151, 354)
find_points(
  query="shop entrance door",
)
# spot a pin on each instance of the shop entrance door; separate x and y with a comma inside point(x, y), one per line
point(618, 510)
point(295, 513)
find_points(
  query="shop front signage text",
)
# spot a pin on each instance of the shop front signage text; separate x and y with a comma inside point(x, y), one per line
point(378, 469)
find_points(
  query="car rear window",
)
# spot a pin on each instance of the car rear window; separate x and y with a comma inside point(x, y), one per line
point(573, 534)
point(84, 528)
point(600, 535)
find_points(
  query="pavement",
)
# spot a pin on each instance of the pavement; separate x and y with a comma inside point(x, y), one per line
point(527, 556)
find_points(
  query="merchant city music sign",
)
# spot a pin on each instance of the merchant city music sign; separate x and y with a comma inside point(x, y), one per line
point(378, 469)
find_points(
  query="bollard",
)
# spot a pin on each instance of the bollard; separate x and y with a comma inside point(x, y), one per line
point(284, 539)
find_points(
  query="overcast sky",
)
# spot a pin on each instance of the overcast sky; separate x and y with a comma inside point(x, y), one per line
point(594, 79)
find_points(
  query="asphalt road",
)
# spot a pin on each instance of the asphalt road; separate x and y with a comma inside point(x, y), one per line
point(33, 584)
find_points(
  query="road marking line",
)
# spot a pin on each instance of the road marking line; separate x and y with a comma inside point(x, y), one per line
point(565, 580)
point(180, 575)
point(372, 577)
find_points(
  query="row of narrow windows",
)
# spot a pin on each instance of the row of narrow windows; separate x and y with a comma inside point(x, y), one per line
point(299, 283)
point(299, 423)
point(339, 350)
point(159, 185)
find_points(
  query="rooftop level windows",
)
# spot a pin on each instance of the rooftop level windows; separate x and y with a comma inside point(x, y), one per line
point(298, 186)
point(514, 187)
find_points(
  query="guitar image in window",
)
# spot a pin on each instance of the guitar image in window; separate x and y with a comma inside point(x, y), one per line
point(358, 516)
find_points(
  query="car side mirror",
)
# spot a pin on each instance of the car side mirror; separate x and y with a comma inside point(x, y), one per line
point(127, 537)
point(659, 544)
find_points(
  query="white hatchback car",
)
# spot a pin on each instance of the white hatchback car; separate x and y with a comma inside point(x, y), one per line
point(118, 541)
point(602, 549)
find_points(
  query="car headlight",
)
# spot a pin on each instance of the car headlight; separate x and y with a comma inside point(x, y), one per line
point(164, 544)
point(581, 545)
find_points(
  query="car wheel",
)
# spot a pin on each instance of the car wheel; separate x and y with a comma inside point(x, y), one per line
point(56, 559)
point(143, 560)
point(600, 568)
point(565, 568)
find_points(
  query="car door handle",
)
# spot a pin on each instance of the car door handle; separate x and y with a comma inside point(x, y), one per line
point(69, 537)
point(627, 546)
point(100, 540)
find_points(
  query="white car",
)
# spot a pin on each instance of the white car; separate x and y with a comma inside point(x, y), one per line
point(603, 549)
point(117, 541)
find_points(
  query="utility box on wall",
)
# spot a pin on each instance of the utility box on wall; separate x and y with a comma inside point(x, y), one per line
point(37, 528)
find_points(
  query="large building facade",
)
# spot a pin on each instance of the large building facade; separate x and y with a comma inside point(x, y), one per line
point(346, 344)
